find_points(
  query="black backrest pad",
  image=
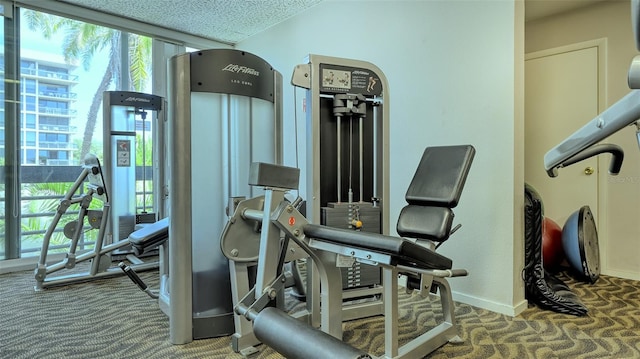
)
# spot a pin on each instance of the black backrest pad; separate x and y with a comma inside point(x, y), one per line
point(433, 223)
point(270, 175)
point(440, 176)
point(403, 251)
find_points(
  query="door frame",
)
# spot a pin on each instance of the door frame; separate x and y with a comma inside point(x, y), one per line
point(601, 46)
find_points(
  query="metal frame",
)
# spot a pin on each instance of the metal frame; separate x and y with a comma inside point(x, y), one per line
point(308, 76)
point(331, 313)
point(100, 187)
point(623, 113)
point(100, 256)
point(139, 101)
point(425, 343)
point(270, 281)
point(188, 75)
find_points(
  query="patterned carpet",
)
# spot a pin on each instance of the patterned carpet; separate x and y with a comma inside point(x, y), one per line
point(111, 318)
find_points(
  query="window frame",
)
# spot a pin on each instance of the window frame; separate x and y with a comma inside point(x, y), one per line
point(166, 43)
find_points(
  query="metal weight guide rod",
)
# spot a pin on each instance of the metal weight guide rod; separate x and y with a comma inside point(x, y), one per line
point(340, 90)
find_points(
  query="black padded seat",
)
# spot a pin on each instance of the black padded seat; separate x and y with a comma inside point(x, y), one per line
point(401, 250)
point(149, 236)
point(435, 189)
point(432, 223)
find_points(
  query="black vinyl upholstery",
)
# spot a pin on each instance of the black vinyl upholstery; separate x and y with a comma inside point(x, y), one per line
point(432, 223)
point(440, 176)
point(435, 189)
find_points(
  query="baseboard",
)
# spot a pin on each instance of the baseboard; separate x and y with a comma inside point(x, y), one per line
point(501, 308)
point(28, 263)
point(621, 274)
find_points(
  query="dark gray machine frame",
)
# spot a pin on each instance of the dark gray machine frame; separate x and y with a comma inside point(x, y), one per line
point(309, 76)
point(241, 82)
point(356, 91)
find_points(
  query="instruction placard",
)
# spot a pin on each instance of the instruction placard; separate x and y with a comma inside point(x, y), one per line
point(123, 153)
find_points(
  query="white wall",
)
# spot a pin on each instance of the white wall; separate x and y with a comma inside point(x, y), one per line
point(455, 76)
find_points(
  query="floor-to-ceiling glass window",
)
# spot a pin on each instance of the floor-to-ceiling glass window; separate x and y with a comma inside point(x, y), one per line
point(62, 68)
point(5, 138)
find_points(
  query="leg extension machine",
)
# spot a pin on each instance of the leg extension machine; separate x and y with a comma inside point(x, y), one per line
point(428, 217)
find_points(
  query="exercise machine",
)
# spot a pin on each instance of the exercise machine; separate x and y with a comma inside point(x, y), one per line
point(241, 243)
point(96, 219)
point(123, 112)
point(584, 143)
point(225, 113)
point(347, 165)
point(132, 122)
point(427, 219)
point(151, 236)
point(582, 245)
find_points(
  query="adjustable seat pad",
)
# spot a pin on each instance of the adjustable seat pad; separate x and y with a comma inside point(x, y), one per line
point(435, 189)
point(401, 250)
point(433, 223)
point(151, 235)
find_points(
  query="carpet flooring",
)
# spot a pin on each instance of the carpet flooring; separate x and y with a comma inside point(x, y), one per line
point(111, 318)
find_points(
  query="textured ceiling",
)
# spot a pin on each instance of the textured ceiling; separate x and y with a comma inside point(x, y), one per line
point(228, 21)
point(231, 21)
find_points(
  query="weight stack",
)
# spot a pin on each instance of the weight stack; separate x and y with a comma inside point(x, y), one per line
point(339, 215)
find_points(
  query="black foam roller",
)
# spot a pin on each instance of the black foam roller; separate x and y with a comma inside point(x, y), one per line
point(297, 340)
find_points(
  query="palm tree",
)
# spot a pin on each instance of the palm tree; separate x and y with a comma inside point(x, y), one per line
point(81, 42)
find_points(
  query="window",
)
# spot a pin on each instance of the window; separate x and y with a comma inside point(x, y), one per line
point(50, 122)
point(53, 72)
point(29, 86)
point(30, 120)
point(31, 157)
point(56, 127)
point(52, 137)
point(50, 90)
point(30, 137)
point(27, 67)
point(30, 103)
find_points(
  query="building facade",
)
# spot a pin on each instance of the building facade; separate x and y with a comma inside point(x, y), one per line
point(47, 112)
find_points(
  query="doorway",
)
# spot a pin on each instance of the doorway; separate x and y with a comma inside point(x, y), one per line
point(564, 89)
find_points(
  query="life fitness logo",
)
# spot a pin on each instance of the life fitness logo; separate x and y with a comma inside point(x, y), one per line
point(292, 221)
point(137, 99)
point(241, 69)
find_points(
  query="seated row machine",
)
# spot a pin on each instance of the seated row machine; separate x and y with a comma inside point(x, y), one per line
point(284, 233)
point(149, 237)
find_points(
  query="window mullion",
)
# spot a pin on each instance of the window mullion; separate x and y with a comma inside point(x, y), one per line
point(12, 133)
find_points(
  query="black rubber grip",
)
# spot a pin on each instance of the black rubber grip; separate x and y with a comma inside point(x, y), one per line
point(133, 276)
point(617, 155)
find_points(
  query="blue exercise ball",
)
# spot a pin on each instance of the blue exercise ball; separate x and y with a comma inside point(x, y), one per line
point(580, 243)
